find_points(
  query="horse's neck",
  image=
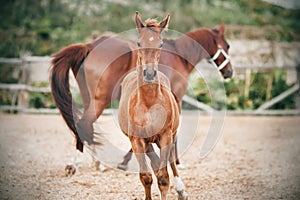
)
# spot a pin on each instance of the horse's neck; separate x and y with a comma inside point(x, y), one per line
point(194, 46)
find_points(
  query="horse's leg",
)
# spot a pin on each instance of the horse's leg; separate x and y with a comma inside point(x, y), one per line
point(71, 168)
point(150, 153)
point(124, 164)
point(176, 153)
point(96, 162)
point(85, 128)
point(165, 145)
point(139, 150)
point(176, 143)
point(99, 99)
point(153, 158)
point(178, 184)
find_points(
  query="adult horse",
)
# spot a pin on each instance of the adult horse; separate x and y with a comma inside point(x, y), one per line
point(149, 113)
point(98, 67)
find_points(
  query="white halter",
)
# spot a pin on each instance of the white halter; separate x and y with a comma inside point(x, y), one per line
point(217, 54)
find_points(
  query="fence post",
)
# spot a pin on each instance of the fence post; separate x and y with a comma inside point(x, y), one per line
point(298, 93)
point(247, 83)
point(23, 97)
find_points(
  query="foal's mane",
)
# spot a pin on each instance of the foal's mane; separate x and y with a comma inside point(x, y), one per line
point(151, 23)
point(154, 25)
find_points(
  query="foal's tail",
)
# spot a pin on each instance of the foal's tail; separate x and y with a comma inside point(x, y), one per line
point(68, 58)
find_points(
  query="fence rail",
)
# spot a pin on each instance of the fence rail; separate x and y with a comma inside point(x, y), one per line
point(23, 87)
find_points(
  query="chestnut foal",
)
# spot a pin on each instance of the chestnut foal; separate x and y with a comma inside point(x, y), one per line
point(149, 113)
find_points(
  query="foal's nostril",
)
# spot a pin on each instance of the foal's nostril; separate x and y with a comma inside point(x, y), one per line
point(149, 75)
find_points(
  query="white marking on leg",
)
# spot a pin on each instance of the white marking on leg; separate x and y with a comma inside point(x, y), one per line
point(180, 188)
point(178, 184)
point(78, 159)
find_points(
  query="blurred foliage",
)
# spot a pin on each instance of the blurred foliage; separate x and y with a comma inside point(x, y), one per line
point(42, 27)
point(9, 73)
point(41, 99)
point(279, 86)
point(7, 97)
point(236, 99)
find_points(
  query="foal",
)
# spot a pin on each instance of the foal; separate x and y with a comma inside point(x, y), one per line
point(148, 112)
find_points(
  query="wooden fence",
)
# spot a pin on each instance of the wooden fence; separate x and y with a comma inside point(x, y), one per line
point(22, 89)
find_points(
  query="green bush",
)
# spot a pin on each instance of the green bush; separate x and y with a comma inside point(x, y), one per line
point(279, 85)
point(236, 99)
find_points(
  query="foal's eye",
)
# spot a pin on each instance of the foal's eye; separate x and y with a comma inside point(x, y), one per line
point(228, 46)
point(160, 46)
point(139, 44)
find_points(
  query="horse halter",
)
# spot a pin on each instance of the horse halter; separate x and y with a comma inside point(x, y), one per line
point(216, 55)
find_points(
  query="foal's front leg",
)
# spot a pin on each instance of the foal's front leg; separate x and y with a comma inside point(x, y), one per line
point(165, 145)
point(139, 149)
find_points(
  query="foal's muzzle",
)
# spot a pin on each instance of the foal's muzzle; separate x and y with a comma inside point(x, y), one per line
point(149, 75)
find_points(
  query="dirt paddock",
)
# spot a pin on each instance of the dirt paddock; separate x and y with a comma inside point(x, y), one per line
point(256, 158)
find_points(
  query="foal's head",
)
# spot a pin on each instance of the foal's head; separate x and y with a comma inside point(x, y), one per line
point(150, 42)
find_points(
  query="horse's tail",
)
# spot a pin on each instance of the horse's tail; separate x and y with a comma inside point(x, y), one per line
point(68, 58)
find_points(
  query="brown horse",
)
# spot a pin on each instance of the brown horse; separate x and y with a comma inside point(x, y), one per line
point(148, 111)
point(100, 65)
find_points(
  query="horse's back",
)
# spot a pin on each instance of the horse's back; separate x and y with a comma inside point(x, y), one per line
point(107, 63)
point(108, 50)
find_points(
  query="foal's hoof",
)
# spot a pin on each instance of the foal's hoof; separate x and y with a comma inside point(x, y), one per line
point(122, 167)
point(70, 170)
point(182, 195)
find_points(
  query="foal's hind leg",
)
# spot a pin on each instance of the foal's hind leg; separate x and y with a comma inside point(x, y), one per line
point(153, 158)
point(150, 153)
point(178, 184)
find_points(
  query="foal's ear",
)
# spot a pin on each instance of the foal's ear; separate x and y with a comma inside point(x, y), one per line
point(164, 23)
point(138, 21)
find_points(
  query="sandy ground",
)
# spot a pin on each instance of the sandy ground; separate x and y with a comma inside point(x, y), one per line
point(256, 158)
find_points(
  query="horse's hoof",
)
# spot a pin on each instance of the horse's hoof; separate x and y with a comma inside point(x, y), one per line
point(97, 165)
point(122, 167)
point(181, 166)
point(70, 170)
